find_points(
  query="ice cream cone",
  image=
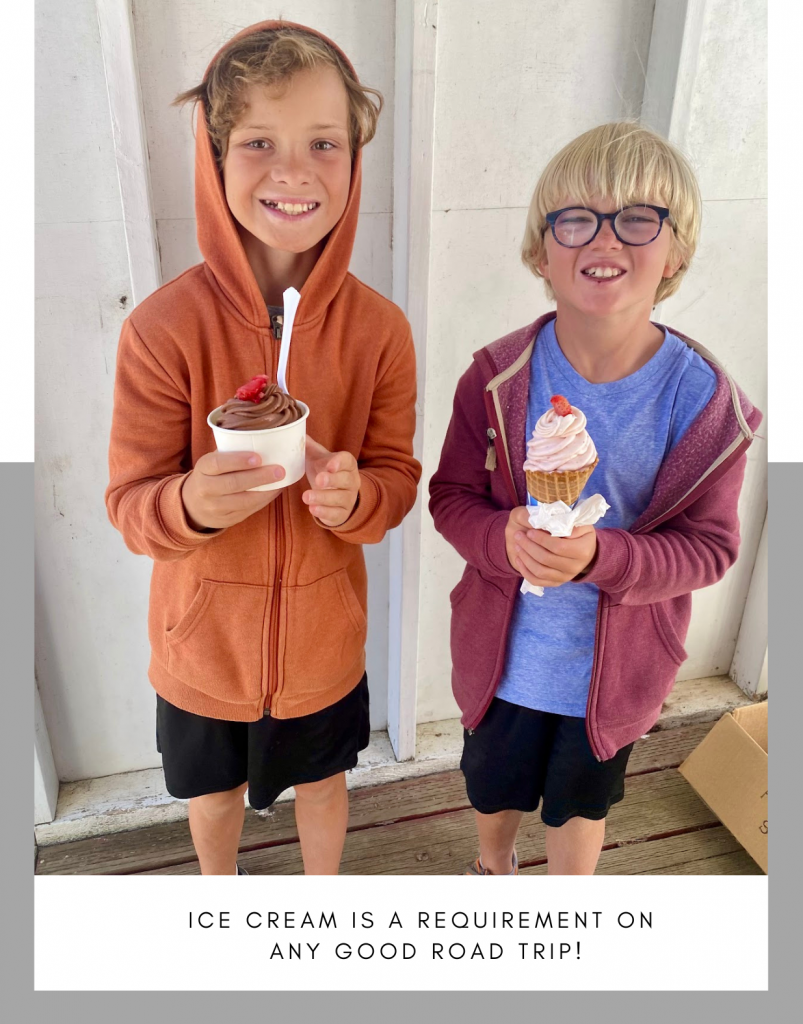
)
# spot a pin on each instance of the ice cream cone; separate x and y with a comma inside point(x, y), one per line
point(566, 487)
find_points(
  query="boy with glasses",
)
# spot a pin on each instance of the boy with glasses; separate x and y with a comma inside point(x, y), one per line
point(555, 690)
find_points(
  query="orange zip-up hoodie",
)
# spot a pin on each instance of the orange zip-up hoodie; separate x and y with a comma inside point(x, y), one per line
point(268, 616)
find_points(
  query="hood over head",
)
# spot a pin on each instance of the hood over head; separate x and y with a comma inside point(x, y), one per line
point(218, 238)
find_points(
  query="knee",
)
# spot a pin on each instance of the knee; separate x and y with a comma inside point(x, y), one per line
point(218, 805)
point(321, 792)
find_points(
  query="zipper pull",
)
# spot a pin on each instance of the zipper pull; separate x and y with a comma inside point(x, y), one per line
point(277, 323)
point(490, 456)
point(266, 713)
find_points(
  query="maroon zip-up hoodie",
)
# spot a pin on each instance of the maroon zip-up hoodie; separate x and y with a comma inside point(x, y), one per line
point(686, 538)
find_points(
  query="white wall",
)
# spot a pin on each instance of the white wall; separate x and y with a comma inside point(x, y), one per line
point(91, 643)
point(723, 300)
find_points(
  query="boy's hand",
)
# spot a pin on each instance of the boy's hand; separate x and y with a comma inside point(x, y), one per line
point(335, 480)
point(544, 560)
point(216, 493)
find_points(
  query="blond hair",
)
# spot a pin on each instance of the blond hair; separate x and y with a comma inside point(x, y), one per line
point(627, 164)
point(271, 57)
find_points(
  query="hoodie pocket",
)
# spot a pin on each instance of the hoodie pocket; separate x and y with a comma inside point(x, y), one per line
point(325, 634)
point(640, 661)
point(216, 646)
point(665, 629)
point(479, 613)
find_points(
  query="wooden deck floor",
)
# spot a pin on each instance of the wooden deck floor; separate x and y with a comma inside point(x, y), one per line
point(425, 826)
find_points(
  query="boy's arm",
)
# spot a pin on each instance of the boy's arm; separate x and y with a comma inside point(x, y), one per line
point(148, 455)
point(460, 493)
point(693, 550)
point(389, 474)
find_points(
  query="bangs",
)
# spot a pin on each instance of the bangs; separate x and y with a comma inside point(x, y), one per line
point(631, 166)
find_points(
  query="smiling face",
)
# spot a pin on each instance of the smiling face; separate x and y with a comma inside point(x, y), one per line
point(607, 277)
point(287, 169)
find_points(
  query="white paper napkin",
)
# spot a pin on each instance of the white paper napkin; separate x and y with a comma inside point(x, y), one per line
point(559, 519)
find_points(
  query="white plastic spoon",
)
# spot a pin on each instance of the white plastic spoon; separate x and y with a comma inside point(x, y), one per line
point(291, 300)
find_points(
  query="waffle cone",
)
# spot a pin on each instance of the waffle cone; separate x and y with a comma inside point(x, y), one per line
point(547, 487)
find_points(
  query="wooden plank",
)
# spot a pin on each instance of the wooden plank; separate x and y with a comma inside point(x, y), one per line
point(170, 844)
point(671, 856)
point(165, 845)
point(656, 804)
point(739, 863)
point(660, 855)
point(666, 749)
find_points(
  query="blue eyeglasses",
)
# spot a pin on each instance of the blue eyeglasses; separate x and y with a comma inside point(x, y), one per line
point(574, 226)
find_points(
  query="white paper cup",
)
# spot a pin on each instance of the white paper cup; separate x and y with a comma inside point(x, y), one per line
point(279, 446)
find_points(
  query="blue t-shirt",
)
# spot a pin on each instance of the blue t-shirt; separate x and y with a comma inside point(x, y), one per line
point(634, 423)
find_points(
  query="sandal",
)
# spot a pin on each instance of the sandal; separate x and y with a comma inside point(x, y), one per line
point(477, 867)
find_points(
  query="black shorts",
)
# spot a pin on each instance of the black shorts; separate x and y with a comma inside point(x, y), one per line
point(209, 755)
point(515, 757)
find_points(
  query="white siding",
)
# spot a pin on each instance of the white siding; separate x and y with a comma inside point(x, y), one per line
point(723, 300)
point(91, 644)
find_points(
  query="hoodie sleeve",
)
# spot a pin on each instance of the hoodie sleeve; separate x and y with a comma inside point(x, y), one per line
point(389, 474)
point(692, 550)
point(460, 494)
point(149, 455)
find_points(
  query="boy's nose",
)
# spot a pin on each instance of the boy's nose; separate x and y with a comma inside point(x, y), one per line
point(606, 238)
point(291, 170)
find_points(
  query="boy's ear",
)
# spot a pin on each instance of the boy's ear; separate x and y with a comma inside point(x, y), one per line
point(543, 266)
point(673, 263)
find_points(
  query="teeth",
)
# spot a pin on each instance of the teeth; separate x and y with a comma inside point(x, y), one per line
point(292, 208)
point(602, 272)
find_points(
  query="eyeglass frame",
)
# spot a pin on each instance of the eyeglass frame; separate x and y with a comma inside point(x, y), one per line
point(662, 212)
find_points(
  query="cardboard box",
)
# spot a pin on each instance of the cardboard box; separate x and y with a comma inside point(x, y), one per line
point(728, 770)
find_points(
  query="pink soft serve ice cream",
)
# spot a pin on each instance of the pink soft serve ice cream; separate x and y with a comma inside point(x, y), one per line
point(560, 441)
point(560, 455)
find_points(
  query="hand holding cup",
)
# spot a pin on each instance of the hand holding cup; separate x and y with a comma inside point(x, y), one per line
point(218, 492)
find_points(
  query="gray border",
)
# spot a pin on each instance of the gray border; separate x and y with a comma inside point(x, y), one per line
point(16, 616)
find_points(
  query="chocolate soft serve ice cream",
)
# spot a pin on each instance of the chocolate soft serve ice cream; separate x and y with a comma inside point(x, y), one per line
point(258, 405)
point(263, 418)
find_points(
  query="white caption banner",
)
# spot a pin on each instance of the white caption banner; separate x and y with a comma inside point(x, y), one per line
point(251, 933)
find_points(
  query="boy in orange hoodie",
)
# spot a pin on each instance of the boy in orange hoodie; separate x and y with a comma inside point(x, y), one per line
point(257, 617)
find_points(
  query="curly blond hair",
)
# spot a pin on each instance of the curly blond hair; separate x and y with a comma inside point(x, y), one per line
point(627, 163)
